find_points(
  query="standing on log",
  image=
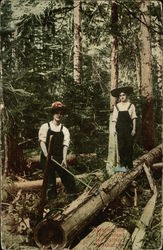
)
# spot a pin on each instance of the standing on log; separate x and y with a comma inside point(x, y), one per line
point(59, 151)
point(124, 118)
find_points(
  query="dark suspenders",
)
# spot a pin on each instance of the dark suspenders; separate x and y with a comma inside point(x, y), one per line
point(116, 107)
point(61, 128)
point(50, 127)
point(129, 106)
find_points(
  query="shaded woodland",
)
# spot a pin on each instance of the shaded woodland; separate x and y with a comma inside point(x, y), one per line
point(77, 51)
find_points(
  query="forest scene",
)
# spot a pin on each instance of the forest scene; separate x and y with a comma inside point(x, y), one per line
point(71, 57)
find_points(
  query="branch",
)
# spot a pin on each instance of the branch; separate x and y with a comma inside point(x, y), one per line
point(136, 17)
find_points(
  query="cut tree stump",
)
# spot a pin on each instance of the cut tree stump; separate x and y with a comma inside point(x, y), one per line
point(62, 228)
point(105, 236)
point(27, 186)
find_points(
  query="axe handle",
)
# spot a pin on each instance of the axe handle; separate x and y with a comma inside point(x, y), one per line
point(45, 179)
point(85, 184)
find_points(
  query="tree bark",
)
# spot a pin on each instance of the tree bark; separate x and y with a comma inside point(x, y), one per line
point(158, 47)
point(137, 62)
point(6, 165)
point(114, 84)
point(148, 133)
point(14, 158)
point(62, 228)
point(105, 236)
point(1, 102)
point(77, 42)
point(114, 53)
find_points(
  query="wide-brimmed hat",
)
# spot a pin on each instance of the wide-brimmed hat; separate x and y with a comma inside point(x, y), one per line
point(125, 89)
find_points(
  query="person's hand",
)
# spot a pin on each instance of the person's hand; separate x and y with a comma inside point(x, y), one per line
point(64, 163)
point(133, 132)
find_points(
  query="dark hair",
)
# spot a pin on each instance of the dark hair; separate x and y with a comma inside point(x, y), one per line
point(122, 92)
point(55, 111)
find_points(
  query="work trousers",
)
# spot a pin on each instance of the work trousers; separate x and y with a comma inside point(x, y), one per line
point(67, 180)
point(125, 147)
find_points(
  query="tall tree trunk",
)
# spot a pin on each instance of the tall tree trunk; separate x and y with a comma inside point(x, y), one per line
point(137, 62)
point(114, 53)
point(114, 83)
point(6, 164)
point(15, 156)
point(1, 102)
point(159, 54)
point(148, 134)
point(14, 159)
point(77, 42)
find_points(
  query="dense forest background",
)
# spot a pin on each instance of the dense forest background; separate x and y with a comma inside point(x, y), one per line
point(38, 57)
point(76, 51)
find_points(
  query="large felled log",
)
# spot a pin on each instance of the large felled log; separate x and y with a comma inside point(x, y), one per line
point(63, 227)
point(35, 185)
point(105, 236)
point(34, 161)
point(72, 159)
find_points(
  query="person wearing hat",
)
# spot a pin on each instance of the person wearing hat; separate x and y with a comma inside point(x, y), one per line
point(59, 151)
point(124, 118)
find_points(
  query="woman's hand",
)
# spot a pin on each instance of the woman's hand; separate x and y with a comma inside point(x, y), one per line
point(64, 163)
point(133, 132)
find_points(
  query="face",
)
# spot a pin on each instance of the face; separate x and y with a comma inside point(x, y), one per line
point(122, 97)
point(58, 115)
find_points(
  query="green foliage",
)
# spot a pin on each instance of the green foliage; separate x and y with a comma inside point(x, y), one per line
point(38, 68)
point(37, 56)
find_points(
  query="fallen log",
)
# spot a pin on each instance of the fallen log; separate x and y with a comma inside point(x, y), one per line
point(72, 159)
point(36, 158)
point(105, 236)
point(37, 184)
point(34, 161)
point(60, 230)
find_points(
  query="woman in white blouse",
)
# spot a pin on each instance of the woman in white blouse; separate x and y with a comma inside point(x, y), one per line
point(61, 140)
point(124, 118)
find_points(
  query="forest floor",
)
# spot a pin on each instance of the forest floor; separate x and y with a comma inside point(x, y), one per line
point(19, 211)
